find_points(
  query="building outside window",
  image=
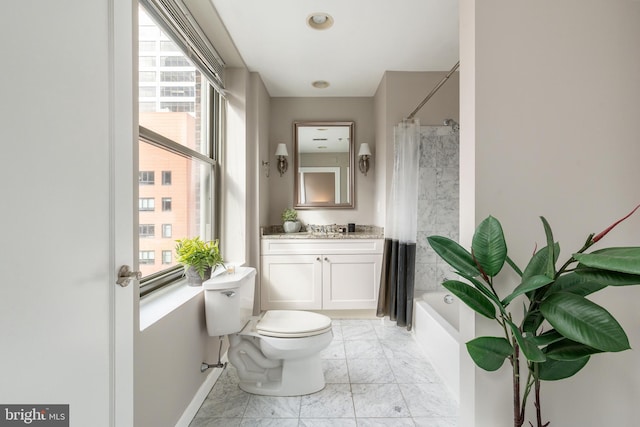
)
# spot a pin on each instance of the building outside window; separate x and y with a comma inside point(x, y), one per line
point(147, 230)
point(146, 177)
point(146, 204)
point(179, 114)
point(147, 257)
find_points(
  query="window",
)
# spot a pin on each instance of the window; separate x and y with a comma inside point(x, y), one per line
point(166, 204)
point(166, 177)
point(146, 204)
point(147, 230)
point(147, 257)
point(180, 112)
point(146, 177)
point(178, 91)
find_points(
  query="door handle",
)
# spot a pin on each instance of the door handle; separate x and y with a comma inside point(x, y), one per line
point(125, 275)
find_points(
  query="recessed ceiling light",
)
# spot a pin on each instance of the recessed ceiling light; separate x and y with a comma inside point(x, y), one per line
point(320, 84)
point(320, 21)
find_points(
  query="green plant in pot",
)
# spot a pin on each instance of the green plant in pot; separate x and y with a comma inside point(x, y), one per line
point(290, 221)
point(199, 258)
point(560, 328)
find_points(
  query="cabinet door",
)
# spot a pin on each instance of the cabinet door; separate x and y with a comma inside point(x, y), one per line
point(350, 281)
point(291, 282)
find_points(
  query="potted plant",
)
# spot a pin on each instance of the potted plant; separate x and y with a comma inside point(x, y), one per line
point(199, 258)
point(560, 328)
point(290, 221)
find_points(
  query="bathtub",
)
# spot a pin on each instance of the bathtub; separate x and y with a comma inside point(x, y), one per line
point(435, 327)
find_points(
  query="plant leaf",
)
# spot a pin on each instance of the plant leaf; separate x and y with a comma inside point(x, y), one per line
point(539, 261)
point(550, 270)
point(584, 321)
point(489, 353)
point(514, 266)
point(607, 278)
point(547, 338)
point(529, 349)
point(472, 297)
point(575, 284)
point(489, 246)
point(553, 370)
point(532, 321)
point(623, 260)
point(454, 255)
point(567, 349)
point(482, 288)
point(530, 284)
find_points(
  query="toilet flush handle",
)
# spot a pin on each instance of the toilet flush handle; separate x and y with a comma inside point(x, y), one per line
point(229, 294)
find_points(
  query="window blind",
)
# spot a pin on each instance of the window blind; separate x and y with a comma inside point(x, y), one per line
point(174, 18)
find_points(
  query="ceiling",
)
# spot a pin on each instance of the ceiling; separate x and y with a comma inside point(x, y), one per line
point(368, 38)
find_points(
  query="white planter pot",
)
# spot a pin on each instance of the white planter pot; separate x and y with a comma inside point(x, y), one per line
point(291, 226)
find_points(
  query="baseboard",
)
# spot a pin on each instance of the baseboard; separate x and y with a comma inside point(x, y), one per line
point(201, 395)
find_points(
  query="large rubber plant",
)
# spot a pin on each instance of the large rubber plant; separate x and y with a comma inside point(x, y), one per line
point(561, 328)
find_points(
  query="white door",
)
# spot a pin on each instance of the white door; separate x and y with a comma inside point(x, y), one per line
point(124, 316)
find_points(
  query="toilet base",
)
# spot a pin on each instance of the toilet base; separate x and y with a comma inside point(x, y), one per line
point(298, 377)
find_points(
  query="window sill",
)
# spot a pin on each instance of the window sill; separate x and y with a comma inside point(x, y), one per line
point(162, 302)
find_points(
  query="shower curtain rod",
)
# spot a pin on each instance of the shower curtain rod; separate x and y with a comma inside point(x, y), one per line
point(434, 90)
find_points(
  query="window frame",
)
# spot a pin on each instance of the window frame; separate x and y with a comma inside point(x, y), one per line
point(212, 85)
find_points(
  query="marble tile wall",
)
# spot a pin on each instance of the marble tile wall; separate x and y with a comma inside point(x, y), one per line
point(438, 202)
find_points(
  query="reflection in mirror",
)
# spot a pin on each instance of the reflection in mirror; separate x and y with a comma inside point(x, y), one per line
point(324, 160)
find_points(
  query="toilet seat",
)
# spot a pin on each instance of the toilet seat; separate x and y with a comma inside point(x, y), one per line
point(292, 324)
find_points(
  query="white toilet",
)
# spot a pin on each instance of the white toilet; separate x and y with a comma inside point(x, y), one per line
point(276, 354)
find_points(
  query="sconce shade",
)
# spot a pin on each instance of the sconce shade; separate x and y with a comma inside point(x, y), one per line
point(364, 150)
point(281, 154)
point(281, 150)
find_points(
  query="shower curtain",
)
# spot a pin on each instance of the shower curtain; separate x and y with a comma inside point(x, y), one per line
point(395, 297)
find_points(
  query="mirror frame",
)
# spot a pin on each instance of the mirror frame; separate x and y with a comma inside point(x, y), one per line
point(296, 165)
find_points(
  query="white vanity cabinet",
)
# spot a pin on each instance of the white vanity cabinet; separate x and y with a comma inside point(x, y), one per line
point(320, 274)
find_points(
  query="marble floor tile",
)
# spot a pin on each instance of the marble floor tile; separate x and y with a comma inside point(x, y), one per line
point(273, 407)
point(225, 401)
point(379, 401)
point(335, 371)
point(385, 422)
point(327, 422)
point(376, 376)
point(411, 371)
point(435, 422)
point(357, 331)
point(334, 401)
point(429, 400)
point(363, 349)
point(269, 422)
point(216, 422)
point(370, 371)
point(335, 350)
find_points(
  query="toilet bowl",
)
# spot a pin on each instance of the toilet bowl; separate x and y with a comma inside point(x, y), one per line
point(276, 353)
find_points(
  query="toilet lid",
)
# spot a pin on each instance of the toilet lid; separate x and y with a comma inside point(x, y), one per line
point(292, 324)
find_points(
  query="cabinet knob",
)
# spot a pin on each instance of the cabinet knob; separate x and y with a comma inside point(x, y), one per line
point(318, 259)
point(326, 259)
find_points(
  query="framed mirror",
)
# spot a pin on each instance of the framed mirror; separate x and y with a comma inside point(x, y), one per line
point(323, 164)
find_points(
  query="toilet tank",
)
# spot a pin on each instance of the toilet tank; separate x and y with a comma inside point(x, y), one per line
point(228, 301)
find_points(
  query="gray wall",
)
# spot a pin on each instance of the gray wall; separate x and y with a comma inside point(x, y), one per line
point(550, 97)
point(284, 112)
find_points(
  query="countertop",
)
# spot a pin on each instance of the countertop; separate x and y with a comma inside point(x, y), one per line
point(362, 232)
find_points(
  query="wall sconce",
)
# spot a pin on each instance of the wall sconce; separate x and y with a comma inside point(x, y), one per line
point(281, 154)
point(364, 153)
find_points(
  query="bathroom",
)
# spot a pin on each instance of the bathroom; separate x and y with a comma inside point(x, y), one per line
point(526, 90)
